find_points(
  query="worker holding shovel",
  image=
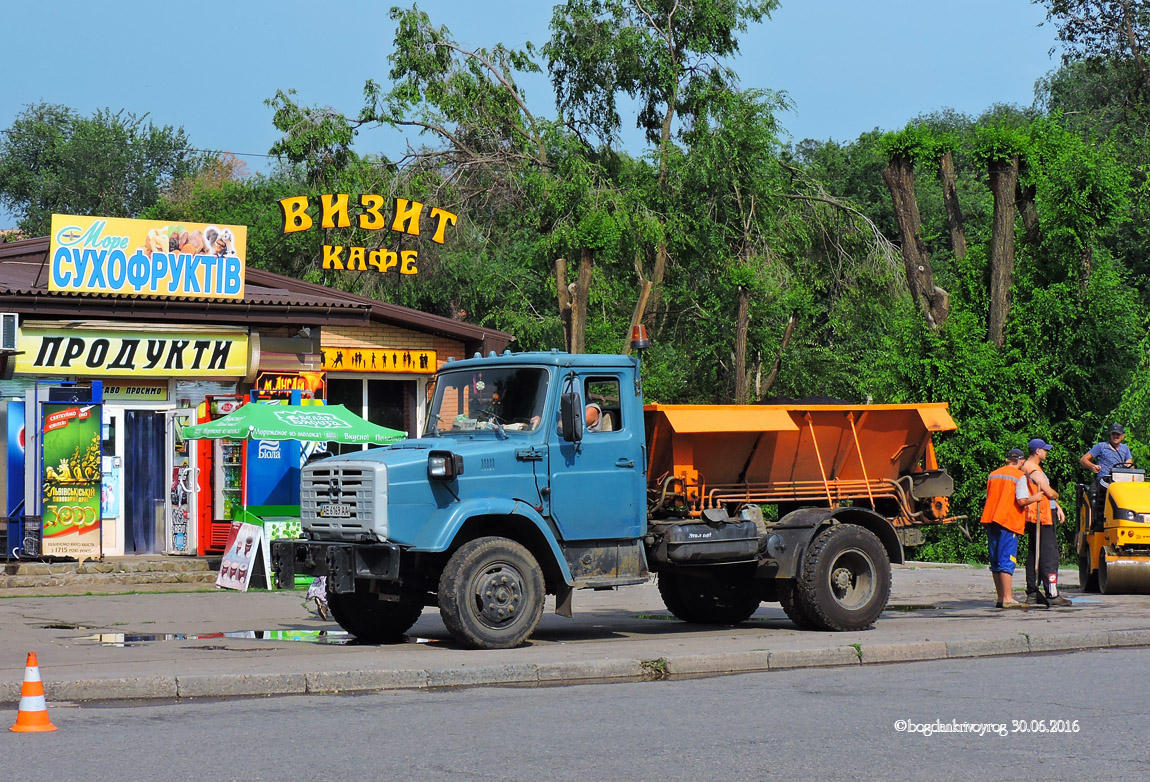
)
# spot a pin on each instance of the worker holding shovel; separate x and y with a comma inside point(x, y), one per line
point(1043, 511)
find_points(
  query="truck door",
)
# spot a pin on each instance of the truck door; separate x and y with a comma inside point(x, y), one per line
point(598, 489)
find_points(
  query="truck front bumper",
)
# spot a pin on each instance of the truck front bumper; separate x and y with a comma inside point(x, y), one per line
point(342, 563)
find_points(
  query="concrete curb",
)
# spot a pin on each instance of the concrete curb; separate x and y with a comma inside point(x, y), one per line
point(568, 673)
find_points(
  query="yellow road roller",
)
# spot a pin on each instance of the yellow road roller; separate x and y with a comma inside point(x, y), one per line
point(1113, 537)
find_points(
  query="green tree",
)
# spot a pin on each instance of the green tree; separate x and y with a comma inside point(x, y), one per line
point(1103, 30)
point(112, 164)
point(667, 54)
point(916, 144)
point(732, 178)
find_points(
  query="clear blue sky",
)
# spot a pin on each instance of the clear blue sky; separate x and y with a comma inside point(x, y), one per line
point(849, 66)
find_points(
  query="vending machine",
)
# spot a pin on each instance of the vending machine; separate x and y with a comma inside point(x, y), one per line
point(220, 482)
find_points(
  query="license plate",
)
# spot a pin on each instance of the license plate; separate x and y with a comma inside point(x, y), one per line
point(335, 511)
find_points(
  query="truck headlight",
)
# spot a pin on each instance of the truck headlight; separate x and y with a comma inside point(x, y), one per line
point(444, 466)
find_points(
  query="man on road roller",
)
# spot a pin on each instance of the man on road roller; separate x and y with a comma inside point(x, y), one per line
point(1113, 537)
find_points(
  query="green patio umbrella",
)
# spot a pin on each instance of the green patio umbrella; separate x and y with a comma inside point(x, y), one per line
point(322, 423)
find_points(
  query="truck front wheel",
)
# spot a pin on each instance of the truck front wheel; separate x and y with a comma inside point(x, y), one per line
point(709, 600)
point(491, 594)
point(845, 581)
point(370, 619)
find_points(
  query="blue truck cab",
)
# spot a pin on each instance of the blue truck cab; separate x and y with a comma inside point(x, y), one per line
point(508, 495)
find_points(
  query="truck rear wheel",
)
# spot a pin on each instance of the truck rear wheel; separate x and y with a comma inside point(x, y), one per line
point(845, 581)
point(788, 591)
point(370, 619)
point(709, 601)
point(491, 594)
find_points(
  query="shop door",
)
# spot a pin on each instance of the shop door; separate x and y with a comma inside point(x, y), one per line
point(144, 484)
point(182, 525)
point(112, 486)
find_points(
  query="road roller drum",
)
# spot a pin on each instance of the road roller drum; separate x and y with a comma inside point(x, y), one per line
point(1114, 546)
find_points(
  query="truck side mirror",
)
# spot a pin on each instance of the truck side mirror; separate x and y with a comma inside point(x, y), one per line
point(571, 417)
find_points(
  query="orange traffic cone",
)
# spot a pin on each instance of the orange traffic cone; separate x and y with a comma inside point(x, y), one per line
point(33, 714)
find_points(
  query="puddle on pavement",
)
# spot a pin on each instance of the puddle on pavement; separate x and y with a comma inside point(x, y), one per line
point(332, 637)
point(911, 607)
point(61, 626)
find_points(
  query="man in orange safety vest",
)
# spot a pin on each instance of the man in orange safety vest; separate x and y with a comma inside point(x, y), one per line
point(1004, 519)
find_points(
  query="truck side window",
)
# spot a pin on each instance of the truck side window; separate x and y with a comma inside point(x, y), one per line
point(603, 393)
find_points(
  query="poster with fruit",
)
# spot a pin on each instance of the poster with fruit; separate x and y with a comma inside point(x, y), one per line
point(72, 477)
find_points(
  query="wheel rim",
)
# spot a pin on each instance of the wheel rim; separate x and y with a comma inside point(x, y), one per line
point(498, 594)
point(851, 578)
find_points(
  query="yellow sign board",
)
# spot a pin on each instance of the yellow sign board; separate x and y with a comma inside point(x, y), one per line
point(132, 353)
point(371, 214)
point(146, 258)
point(406, 360)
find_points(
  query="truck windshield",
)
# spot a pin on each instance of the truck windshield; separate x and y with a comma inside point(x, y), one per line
point(473, 400)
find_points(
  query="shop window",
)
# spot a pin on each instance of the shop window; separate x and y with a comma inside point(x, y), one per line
point(383, 402)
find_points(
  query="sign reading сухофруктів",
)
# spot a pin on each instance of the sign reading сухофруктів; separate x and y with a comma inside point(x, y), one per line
point(114, 255)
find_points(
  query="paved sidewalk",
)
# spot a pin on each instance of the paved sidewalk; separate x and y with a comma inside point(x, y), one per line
point(224, 644)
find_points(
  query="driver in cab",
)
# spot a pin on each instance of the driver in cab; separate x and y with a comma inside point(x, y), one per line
point(1100, 460)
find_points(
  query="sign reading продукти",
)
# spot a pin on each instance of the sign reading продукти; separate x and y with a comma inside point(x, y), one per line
point(146, 258)
point(134, 354)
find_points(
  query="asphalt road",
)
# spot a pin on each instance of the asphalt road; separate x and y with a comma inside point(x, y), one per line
point(830, 723)
point(230, 644)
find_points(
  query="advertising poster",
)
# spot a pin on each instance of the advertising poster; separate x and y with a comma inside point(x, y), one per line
point(146, 258)
point(14, 502)
point(391, 360)
point(239, 556)
point(72, 480)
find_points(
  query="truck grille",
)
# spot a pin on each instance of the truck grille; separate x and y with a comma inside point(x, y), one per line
point(344, 501)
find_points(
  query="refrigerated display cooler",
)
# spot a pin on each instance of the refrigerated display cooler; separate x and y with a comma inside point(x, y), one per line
point(221, 477)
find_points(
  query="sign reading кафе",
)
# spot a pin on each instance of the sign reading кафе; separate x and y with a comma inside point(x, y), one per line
point(336, 212)
point(146, 258)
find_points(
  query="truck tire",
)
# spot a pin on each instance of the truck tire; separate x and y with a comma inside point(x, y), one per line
point(669, 591)
point(788, 591)
point(370, 619)
point(1087, 578)
point(845, 581)
point(491, 594)
point(711, 600)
